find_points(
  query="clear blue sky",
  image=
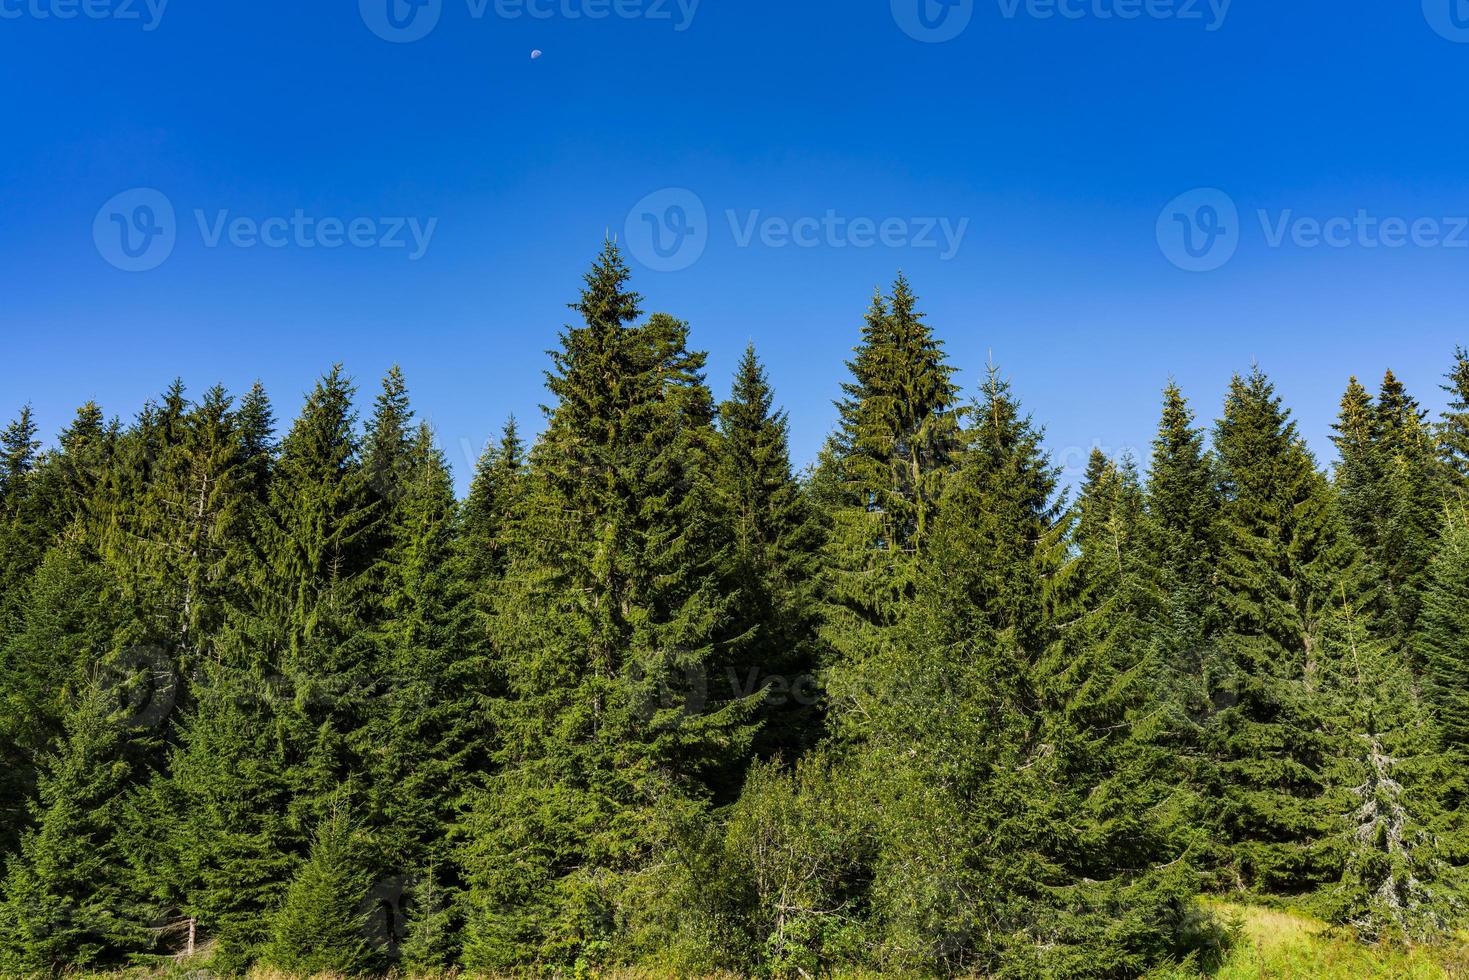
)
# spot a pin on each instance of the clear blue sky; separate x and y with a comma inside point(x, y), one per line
point(1060, 140)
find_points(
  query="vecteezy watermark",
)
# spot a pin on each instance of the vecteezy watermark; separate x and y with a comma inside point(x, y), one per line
point(406, 21)
point(1210, 13)
point(668, 231)
point(149, 13)
point(936, 21)
point(137, 230)
point(1201, 230)
point(1450, 18)
point(933, 21)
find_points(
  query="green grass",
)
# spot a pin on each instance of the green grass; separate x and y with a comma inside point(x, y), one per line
point(1276, 945)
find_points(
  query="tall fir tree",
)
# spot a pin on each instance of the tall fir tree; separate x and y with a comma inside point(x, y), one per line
point(1453, 428)
point(67, 902)
point(213, 835)
point(896, 443)
point(319, 598)
point(491, 509)
point(1398, 883)
point(1442, 642)
point(1391, 499)
point(775, 561)
point(1287, 564)
point(321, 927)
point(615, 615)
point(427, 736)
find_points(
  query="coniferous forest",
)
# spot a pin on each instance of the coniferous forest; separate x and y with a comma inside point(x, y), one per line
point(648, 696)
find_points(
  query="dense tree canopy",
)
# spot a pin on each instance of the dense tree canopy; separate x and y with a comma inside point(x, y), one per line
point(649, 696)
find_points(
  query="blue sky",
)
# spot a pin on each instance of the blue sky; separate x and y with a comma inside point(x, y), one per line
point(1069, 144)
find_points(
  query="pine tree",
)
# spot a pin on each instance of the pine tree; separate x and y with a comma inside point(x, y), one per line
point(1181, 542)
point(774, 560)
point(66, 899)
point(1398, 882)
point(322, 926)
point(1442, 642)
point(213, 834)
point(895, 445)
point(428, 941)
point(66, 628)
point(313, 620)
point(18, 448)
point(605, 640)
point(1107, 689)
point(385, 452)
point(425, 735)
point(1453, 430)
point(1287, 559)
point(985, 855)
point(493, 504)
point(1391, 500)
point(255, 421)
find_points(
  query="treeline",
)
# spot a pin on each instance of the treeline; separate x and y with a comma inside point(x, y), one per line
point(648, 696)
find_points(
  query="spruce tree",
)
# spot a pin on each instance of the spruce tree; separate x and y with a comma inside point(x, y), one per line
point(1181, 541)
point(1287, 560)
point(255, 420)
point(1391, 499)
point(1453, 429)
point(493, 505)
point(322, 925)
point(1442, 643)
point(66, 628)
point(426, 737)
point(994, 818)
point(774, 560)
point(428, 943)
point(895, 445)
point(1398, 882)
point(319, 602)
point(66, 897)
point(214, 832)
point(614, 616)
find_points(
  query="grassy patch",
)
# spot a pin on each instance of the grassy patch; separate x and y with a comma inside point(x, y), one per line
point(1277, 945)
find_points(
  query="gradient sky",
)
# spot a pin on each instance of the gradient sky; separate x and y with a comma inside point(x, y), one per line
point(1060, 140)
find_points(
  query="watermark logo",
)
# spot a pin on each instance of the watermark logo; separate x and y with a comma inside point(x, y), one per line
point(405, 21)
point(1450, 18)
point(401, 21)
point(136, 231)
point(1199, 231)
point(1210, 13)
point(143, 683)
point(668, 230)
point(149, 13)
point(933, 21)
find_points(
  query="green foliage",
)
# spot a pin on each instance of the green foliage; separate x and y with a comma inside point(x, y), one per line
point(774, 563)
point(322, 926)
point(647, 700)
point(613, 616)
point(1443, 639)
point(66, 898)
point(428, 943)
point(1286, 561)
point(1390, 498)
point(884, 472)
